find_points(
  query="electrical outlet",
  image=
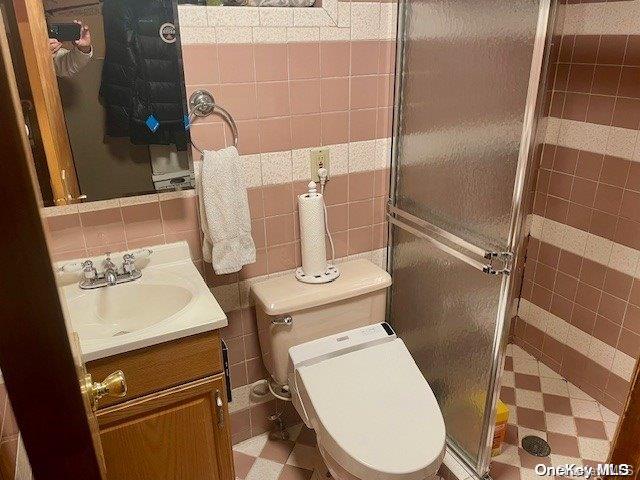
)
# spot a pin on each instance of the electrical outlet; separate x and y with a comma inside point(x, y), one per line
point(319, 158)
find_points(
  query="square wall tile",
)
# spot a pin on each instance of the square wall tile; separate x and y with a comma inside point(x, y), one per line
point(335, 58)
point(103, 227)
point(304, 96)
point(271, 62)
point(304, 60)
point(239, 99)
point(360, 213)
point(387, 57)
point(207, 136)
point(65, 232)
point(361, 185)
point(256, 205)
point(362, 124)
point(360, 240)
point(364, 92)
point(334, 94)
point(385, 90)
point(384, 124)
point(200, 64)
point(279, 229)
point(334, 127)
point(248, 136)
point(336, 191)
point(142, 221)
point(273, 99)
point(180, 214)
point(365, 57)
point(281, 257)
point(256, 269)
point(236, 62)
point(305, 131)
point(274, 134)
point(278, 199)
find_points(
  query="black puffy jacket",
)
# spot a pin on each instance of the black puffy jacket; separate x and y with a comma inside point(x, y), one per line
point(142, 74)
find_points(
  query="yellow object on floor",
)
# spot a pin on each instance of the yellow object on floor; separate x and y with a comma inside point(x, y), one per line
point(500, 432)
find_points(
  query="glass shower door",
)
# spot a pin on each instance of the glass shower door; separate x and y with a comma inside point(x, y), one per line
point(465, 101)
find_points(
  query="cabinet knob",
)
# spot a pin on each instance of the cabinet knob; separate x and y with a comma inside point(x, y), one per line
point(115, 385)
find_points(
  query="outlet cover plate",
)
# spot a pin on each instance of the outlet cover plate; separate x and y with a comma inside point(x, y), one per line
point(319, 157)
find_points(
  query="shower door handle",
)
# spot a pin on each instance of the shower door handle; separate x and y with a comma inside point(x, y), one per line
point(439, 238)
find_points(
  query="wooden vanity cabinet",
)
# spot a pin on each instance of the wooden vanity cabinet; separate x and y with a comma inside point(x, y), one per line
point(174, 422)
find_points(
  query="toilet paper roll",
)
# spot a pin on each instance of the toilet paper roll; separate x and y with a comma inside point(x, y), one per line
point(312, 242)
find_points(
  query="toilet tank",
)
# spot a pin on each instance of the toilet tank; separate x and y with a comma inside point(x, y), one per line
point(355, 299)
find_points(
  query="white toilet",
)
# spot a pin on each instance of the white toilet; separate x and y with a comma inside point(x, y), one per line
point(350, 378)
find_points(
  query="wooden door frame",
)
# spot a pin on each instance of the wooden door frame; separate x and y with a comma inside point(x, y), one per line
point(32, 28)
point(36, 356)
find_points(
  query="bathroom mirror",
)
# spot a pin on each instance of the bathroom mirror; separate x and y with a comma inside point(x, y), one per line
point(118, 69)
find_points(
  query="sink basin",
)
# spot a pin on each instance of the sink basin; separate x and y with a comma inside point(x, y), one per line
point(169, 301)
point(126, 308)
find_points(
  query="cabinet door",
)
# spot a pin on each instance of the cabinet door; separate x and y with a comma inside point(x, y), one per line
point(178, 434)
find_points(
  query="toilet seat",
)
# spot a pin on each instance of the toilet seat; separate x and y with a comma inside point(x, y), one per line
point(374, 413)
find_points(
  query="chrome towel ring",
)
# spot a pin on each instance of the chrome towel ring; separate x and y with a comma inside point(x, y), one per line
point(202, 104)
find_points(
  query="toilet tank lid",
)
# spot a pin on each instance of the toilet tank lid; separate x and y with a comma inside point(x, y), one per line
point(285, 294)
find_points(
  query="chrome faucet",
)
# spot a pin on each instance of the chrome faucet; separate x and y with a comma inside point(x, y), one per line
point(110, 271)
point(111, 275)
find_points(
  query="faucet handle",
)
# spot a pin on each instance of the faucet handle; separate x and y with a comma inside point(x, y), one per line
point(88, 270)
point(128, 263)
point(107, 263)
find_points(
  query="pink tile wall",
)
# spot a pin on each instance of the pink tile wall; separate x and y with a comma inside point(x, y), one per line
point(598, 300)
point(298, 95)
point(355, 207)
point(596, 78)
point(82, 234)
point(591, 79)
point(246, 367)
point(355, 210)
point(283, 97)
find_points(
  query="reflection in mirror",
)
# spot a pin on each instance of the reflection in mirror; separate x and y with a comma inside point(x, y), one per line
point(118, 66)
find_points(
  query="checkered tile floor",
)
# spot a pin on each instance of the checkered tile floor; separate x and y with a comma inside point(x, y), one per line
point(542, 403)
point(262, 459)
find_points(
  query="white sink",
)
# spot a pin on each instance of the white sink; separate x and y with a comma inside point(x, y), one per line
point(169, 301)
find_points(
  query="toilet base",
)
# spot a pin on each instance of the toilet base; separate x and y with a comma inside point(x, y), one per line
point(333, 468)
point(329, 468)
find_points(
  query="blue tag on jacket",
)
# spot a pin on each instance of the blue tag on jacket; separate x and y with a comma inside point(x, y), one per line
point(152, 123)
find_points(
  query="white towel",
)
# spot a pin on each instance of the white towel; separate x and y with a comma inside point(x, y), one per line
point(224, 212)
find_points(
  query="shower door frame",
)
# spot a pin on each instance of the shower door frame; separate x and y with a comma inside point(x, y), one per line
point(523, 177)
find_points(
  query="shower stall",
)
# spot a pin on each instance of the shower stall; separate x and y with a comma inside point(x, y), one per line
point(467, 89)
